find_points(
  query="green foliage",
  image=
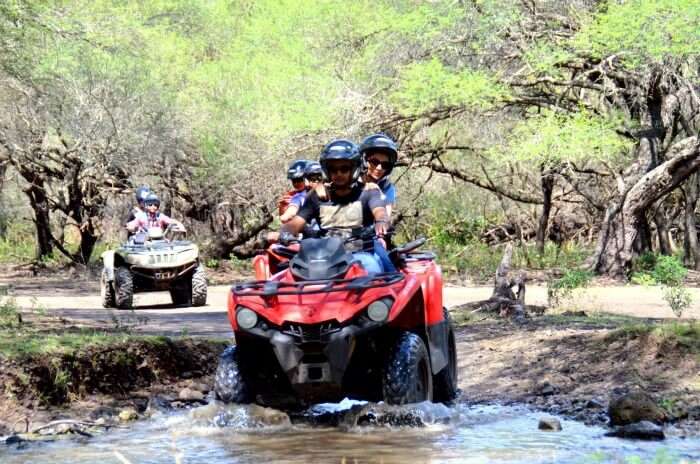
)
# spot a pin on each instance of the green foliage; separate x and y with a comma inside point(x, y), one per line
point(427, 85)
point(551, 138)
point(686, 334)
point(678, 298)
point(17, 245)
point(652, 269)
point(9, 313)
point(27, 341)
point(643, 31)
point(562, 289)
point(645, 262)
point(669, 270)
point(643, 278)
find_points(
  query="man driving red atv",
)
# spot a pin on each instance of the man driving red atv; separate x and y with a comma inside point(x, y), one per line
point(346, 206)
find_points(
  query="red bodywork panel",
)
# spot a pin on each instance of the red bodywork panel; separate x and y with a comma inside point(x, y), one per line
point(420, 275)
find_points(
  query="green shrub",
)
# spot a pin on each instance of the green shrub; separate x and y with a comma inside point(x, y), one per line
point(644, 262)
point(678, 298)
point(562, 289)
point(669, 270)
point(643, 278)
point(10, 316)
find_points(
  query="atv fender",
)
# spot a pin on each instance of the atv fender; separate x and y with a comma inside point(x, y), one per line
point(437, 345)
point(108, 265)
point(436, 325)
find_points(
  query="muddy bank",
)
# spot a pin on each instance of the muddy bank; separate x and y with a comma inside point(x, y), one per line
point(103, 381)
point(570, 366)
point(574, 367)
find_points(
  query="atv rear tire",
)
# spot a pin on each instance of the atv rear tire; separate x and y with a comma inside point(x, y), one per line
point(407, 374)
point(229, 383)
point(445, 381)
point(124, 288)
point(199, 286)
point(107, 292)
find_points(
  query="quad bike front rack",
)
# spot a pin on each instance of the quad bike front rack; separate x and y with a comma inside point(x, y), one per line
point(268, 288)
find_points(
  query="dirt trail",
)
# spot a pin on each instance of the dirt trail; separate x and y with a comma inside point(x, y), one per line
point(77, 301)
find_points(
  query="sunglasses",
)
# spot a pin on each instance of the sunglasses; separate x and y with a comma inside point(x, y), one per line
point(297, 180)
point(374, 162)
point(339, 169)
point(152, 204)
point(315, 178)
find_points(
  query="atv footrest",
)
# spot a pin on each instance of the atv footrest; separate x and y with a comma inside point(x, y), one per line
point(268, 288)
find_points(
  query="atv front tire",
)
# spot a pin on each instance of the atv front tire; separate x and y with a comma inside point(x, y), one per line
point(445, 381)
point(199, 286)
point(181, 293)
point(107, 292)
point(407, 373)
point(124, 288)
point(229, 383)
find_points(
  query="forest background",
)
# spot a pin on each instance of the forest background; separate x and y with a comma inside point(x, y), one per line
point(569, 128)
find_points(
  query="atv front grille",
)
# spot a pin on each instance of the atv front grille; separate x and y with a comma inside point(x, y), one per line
point(309, 333)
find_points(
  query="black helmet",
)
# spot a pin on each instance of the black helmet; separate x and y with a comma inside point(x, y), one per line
point(314, 167)
point(379, 143)
point(341, 149)
point(296, 169)
point(141, 193)
point(152, 199)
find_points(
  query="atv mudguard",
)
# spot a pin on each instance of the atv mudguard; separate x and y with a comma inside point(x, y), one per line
point(108, 265)
point(436, 325)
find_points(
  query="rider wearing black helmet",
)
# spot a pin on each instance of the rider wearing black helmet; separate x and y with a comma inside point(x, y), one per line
point(313, 174)
point(291, 201)
point(379, 155)
point(347, 206)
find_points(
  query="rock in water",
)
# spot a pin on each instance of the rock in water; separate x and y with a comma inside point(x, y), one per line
point(188, 394)
point(128, 414)
point(643, 430)
point(635, 407)
point(549, 424)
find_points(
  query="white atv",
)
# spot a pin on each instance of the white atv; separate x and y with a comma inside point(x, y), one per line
point(153, 261)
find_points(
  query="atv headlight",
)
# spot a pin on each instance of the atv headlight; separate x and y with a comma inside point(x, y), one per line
point(246, 318)
point(378, 311)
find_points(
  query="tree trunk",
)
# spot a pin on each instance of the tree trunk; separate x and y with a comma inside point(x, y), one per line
point(42, 218)
point(660, 220)
point(547, 183)
point(624, 220)
point(692, 247)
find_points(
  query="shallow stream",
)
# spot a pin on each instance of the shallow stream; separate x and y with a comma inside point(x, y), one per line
point(215, 434)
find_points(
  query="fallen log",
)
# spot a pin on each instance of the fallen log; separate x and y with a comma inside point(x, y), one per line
point(505, 301)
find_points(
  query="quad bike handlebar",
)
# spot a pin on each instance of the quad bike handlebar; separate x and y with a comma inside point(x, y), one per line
point(358, 234)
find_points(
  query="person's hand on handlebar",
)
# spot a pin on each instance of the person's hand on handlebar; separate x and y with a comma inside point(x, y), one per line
point(381, 228)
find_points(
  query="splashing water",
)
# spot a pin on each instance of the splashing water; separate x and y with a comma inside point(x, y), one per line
point(352, 431)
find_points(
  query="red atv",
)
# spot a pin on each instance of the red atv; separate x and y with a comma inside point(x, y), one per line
point(323, 329)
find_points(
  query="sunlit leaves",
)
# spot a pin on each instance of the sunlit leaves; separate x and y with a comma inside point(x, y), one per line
point(640, 31)
point(427, 85)
point(552, 138)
